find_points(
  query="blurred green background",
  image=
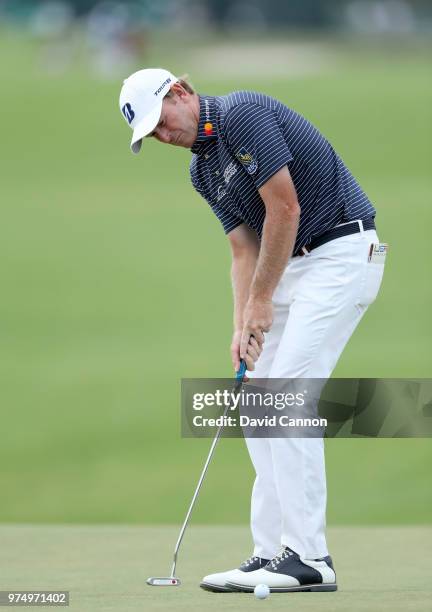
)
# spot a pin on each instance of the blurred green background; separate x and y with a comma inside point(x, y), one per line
point(115, 276)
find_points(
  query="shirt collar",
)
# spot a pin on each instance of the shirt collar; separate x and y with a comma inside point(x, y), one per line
point(207, 130)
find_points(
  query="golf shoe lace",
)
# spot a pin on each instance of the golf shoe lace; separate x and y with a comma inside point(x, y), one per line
point(250, 560)
point(284, 554)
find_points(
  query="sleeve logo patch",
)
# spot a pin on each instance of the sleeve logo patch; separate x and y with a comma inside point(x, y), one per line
point(246, 159)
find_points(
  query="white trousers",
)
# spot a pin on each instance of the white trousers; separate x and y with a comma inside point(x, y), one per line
point(318, 303)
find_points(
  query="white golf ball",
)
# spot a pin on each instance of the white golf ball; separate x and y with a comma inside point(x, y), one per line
point(261, 591)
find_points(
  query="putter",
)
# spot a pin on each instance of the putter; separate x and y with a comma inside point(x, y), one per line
point(172, 580)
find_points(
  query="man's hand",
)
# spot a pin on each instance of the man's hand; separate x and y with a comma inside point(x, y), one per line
point(253, 352)
point(257, 319)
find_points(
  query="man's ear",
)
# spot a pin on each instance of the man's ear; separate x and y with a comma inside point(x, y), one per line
point(178, 90)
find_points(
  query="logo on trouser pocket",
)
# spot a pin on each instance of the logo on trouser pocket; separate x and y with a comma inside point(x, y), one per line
point(377, 253)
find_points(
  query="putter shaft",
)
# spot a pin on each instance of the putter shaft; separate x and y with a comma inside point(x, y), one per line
point(239, 379)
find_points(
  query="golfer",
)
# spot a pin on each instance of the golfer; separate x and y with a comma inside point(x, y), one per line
point(306, 264)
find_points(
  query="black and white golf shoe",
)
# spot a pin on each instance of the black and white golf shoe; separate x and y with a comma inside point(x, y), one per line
point(287, 572)
point(217, 582)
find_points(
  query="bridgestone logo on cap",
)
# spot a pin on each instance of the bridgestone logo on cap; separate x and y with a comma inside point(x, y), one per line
point(162, 86)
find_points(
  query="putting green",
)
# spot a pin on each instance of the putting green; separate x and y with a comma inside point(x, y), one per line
point(105, 567)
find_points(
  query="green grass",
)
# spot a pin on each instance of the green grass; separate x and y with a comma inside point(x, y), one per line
point(115, 285)
point(105, 568)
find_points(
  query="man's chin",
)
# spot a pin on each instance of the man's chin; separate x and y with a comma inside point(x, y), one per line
point(180, 143)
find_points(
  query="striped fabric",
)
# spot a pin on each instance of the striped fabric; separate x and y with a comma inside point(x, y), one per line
point(246, 137)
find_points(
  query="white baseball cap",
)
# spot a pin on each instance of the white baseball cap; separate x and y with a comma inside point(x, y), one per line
point(141, 101)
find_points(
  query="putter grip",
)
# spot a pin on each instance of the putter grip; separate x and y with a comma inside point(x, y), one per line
point(241, 371)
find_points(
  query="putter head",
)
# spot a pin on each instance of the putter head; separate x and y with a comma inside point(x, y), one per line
point(170, 581)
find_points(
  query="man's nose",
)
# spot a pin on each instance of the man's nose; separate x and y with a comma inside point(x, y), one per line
point(162, 134)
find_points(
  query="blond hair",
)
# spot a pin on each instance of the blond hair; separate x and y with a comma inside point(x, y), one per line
point(185, 83)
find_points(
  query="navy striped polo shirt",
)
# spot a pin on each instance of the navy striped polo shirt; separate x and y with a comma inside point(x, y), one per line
point(246, 137)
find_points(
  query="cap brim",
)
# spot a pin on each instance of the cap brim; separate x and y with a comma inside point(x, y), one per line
point(144, 127)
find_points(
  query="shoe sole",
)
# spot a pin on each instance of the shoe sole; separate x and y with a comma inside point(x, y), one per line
point(315, 588)
point(215, 588)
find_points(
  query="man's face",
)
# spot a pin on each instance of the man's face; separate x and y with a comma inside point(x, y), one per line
point(178, 123)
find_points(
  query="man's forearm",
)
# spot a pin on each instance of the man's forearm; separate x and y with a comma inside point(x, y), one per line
point(277, 244)
point(242, 273)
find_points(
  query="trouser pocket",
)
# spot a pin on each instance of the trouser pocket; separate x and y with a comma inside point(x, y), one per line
point(370, 283)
